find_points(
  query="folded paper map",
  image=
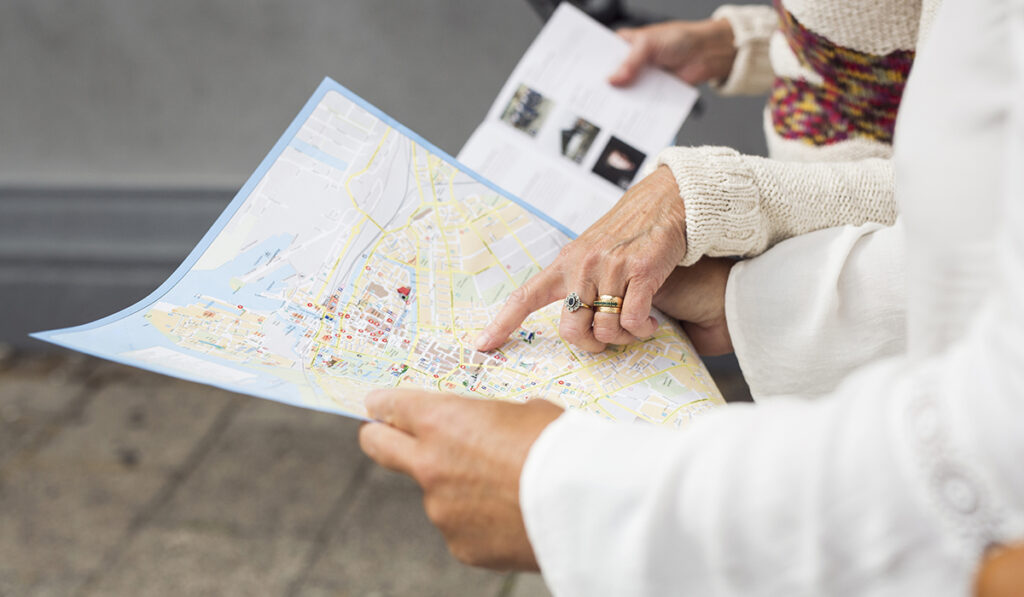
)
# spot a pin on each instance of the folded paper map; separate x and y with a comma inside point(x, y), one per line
point(360, 256)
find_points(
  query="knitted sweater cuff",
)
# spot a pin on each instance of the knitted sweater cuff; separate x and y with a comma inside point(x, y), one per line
point(723, 215)
point(752, 28)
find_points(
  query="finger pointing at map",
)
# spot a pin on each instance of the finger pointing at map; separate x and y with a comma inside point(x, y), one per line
point(608, 276)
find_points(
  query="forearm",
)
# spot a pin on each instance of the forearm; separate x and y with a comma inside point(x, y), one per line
point(738, 205)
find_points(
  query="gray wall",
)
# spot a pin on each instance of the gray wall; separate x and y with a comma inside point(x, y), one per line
point(126, 125)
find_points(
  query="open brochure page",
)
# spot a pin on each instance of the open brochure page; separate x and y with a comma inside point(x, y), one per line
point(560, 137)
point(360, 256)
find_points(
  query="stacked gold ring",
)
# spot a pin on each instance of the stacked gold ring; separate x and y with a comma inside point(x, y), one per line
point(607, 303)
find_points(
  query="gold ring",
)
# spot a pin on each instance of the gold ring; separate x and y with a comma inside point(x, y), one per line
point(609, 302)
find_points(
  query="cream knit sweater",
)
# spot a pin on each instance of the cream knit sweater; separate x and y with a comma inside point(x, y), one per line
point(829, 162)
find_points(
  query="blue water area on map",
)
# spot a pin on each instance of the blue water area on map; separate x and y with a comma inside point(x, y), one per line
point(217, 282)
point(134, 332)
point(318, 154)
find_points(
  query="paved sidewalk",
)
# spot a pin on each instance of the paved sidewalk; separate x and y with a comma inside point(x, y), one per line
point(114, 481)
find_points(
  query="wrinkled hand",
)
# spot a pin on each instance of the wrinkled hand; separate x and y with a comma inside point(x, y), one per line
point(695, 296)
point(467, 456)
point(694, 51)
point(628, 253)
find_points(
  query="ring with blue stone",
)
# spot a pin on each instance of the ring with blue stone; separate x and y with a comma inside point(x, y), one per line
point(573, 303)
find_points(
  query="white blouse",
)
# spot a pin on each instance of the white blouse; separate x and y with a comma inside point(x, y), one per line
point(895, 479)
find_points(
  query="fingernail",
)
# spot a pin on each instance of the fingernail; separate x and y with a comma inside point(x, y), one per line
point(482, 341)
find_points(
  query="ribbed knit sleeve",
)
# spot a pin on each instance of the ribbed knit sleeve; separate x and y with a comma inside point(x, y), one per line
point(738, 205)
point(752, 28)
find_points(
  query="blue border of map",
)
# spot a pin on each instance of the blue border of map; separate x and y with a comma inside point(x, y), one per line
point(325, 86)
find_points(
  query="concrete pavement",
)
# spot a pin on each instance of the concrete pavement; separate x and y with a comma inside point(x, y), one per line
point(115, 481)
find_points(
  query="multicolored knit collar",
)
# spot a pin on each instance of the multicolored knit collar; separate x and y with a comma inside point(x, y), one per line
point(859, 97)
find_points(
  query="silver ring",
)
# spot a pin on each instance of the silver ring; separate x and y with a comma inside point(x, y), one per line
point(573, 303)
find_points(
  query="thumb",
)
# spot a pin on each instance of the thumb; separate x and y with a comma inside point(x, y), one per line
point(638, 57)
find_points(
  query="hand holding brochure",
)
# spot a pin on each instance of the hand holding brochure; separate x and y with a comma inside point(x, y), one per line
point(560, 137)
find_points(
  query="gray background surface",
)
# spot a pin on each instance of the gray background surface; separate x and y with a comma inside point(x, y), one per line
point(126, 125)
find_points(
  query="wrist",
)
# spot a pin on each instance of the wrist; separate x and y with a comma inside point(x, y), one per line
point(720, 35)
point(671, 209)
point(710, 340)
point(668, 190)
point(719, 339)
point(718, 48)
point(709, 331)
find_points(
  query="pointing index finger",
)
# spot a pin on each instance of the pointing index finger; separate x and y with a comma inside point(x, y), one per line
point(540, 290)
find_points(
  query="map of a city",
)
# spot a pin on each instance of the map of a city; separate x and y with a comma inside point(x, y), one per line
point(359, 256)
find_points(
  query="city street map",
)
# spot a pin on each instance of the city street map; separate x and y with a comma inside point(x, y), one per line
point(359, 256)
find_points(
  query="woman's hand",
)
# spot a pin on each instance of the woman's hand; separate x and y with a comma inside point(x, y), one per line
point(628, 253)
point(694, 51)
point(467, 455)
point(695, 296)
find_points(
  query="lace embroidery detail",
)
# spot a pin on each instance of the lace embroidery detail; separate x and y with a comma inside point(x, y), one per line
point(958, 492)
